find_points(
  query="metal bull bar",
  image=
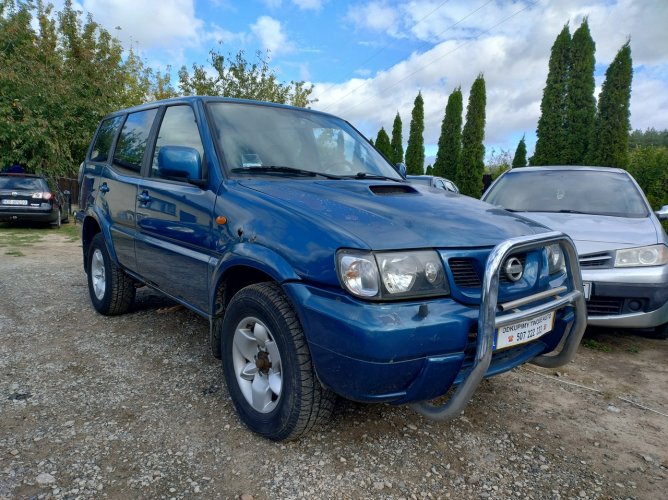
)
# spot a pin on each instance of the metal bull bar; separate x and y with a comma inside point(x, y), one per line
point(489, 319)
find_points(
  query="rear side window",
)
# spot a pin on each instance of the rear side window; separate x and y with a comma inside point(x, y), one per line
point(104, 138)
point(132, 142)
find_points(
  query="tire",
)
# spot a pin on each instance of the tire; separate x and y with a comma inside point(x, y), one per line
point(111, 290)
point(267, 366)
point(56, 223)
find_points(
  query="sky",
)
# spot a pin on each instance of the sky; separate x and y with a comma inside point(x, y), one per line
point(368, 59)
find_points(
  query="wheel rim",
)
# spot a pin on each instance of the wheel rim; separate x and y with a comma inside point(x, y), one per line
point(257, 364)
point(98, 274)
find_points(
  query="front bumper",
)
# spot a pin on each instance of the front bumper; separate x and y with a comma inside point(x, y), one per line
point(408, 352)
point(628, 298)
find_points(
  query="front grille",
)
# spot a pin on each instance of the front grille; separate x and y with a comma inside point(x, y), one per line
point(605, 306)
point(596, 260)
point(464, 273)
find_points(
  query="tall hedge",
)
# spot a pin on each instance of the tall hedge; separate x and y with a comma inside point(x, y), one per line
point(472, 166)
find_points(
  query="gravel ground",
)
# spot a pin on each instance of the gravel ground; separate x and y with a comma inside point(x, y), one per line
point(135, 407)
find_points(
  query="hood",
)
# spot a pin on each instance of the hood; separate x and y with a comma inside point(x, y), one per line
point(599, 233)
point(389, 215)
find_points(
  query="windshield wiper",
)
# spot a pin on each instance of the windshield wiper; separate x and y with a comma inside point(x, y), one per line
point(364, 175)
point(280, 169)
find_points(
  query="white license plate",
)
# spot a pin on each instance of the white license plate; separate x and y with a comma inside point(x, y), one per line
point(14, 202)
point(586, 288)
point(524, 331)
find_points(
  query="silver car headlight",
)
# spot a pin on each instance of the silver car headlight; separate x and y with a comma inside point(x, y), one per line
point(555, 259)
point(392, 275)
point(653, 255)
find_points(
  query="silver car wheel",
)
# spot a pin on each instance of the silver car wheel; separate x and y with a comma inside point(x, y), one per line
point(98, 274)
point(257, 364)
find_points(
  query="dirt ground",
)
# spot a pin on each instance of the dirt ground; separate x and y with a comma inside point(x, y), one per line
point(135, 406)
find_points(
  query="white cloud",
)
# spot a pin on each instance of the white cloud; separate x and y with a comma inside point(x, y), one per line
point(150, 23)
point(309, 4)
point(512, 55)
point(271, 35)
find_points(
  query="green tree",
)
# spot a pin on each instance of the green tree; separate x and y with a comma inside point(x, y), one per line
point(552, 137)
point(520, 158)
point(383, 143)
point(609, 146)
point(649, 166)
point(650, 137)
point(430, 170)
point(415, 149)
point(498, 163)
point(397, 141)
point(580, 102)
point(450, 140)
point(235, 76)
point(471, 167)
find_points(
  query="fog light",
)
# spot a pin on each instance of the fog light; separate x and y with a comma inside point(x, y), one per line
point(635, 305)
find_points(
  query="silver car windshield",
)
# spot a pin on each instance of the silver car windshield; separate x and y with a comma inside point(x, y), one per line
point(266, 140)
point(569, 191)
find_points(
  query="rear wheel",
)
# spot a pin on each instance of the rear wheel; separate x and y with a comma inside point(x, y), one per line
point(111, 290)
point(267, 365)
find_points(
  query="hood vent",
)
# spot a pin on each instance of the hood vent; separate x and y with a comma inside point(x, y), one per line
point(392, 189)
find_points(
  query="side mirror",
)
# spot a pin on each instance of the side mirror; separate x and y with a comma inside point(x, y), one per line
point(401, 167)
point(180, 161)
point(662, 213)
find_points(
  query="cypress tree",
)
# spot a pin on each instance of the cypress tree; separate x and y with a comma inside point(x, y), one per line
point(415, 149)
point(450, 141)
point(383, 143)
point(520, 158)
point(552, 138)
point(580, 103)
point(430, 170)
point(609, 146)
point(471, 167)
point(397, 141)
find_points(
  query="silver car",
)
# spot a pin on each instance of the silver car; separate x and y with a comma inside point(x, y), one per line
point(622, 248)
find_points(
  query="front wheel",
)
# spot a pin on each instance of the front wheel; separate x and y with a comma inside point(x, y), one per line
point(268, 368)
point(111, 290)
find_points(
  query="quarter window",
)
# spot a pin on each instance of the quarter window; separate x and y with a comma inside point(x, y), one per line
point(132, 142)
point(104, 138)
point(178, 128)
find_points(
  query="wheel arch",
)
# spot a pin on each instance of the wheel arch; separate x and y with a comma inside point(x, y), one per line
point(244, 267)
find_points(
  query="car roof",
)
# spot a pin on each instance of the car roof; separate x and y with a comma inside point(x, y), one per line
point(590, 168)
point(206, 99)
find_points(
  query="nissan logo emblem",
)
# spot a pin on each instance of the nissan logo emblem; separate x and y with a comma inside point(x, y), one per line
point(513, 269)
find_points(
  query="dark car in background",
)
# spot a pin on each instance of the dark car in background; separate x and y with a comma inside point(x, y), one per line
point(623, 250)
point(32, 198)
point(433, 181)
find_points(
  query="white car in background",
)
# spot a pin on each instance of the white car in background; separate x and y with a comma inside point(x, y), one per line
point(622, 248)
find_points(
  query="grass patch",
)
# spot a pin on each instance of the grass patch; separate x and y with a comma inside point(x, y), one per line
point(15, 253)
point(596, 345)
point(19, 236)
point(633, 349)
point(70, 231)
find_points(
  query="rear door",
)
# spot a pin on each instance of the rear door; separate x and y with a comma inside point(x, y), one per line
point(174, 218)
point(117, 189)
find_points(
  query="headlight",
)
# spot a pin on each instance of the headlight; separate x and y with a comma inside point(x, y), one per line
point(390, 275)
point(654, 255)
point(555, 259)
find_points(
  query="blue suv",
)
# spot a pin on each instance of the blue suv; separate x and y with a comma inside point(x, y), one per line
point(321, 270)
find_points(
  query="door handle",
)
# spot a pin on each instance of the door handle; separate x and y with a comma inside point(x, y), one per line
point(143, 197)
point(104, 188)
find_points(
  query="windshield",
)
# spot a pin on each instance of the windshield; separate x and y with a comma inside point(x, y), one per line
point(583, 191)
point(266, 140)
point(27, 183)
